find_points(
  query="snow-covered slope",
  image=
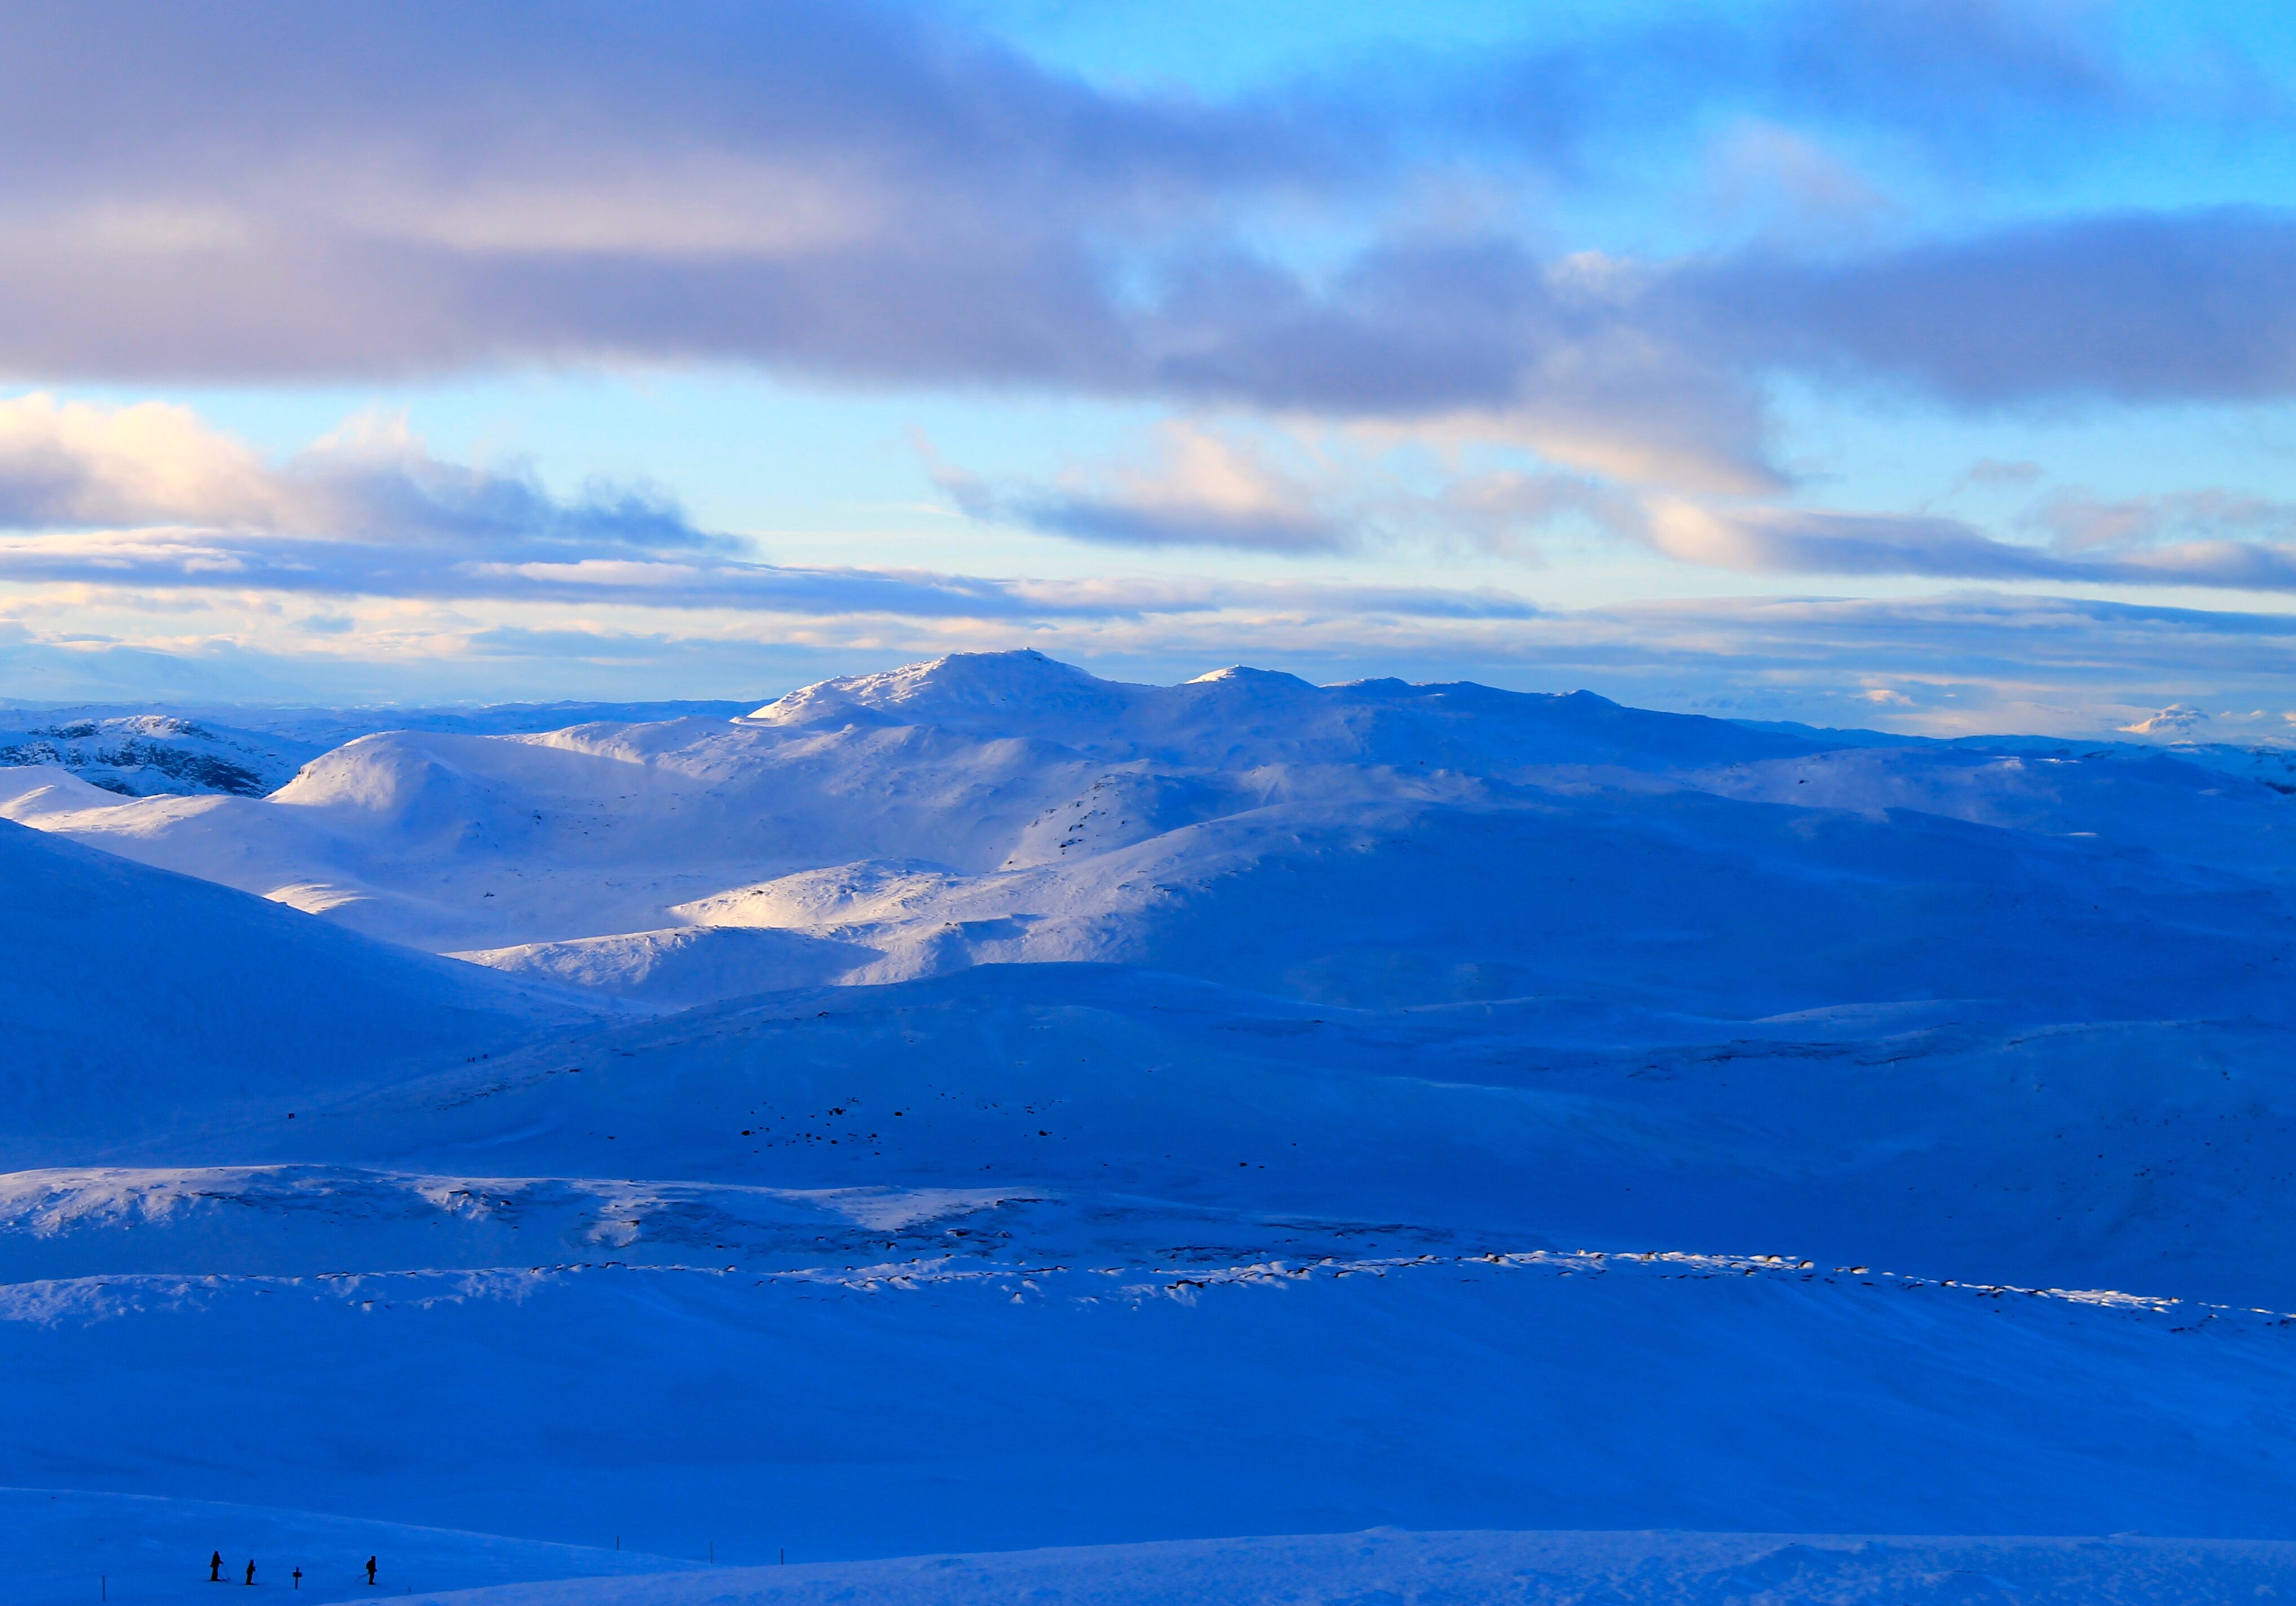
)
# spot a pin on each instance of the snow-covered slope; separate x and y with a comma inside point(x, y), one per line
point(136, 1000)
point(1938, 1140)
point(893, 1407)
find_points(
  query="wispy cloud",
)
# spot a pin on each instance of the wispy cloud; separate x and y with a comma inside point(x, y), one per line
point(2083, 522)
point(2102, 545)
point(1193, 486)
point(368, 512)
point(1288, 492)
point(1197, 485)
point(1788, 541)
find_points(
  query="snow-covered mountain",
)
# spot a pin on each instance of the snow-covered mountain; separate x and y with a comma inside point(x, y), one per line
point(983, 1106)
point(1451, 842)
point(152, 754)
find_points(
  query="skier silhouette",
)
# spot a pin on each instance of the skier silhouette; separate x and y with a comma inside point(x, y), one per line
point(369, 1572)
point(215, 1568)
point(250, 1569)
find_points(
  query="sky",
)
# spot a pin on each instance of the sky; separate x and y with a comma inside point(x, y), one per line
point(1923, 365)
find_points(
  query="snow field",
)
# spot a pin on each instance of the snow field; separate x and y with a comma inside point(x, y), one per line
point(900, 1408)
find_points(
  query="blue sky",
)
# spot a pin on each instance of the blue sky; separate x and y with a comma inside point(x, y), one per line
point(1917, 363)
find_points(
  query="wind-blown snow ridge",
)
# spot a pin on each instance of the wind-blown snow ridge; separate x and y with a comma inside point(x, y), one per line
point(50, 1300)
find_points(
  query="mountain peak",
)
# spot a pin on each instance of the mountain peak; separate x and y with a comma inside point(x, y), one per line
point(952, 686)
point(1245, 675)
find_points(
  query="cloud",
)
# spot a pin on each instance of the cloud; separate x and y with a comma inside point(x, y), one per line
point(1292, 492)
point(155, 560)
point(2081, 523)
point(367, 512)
point(1794, 541)
point(853, 189)
point(887, 194)
point(138, 569)
point(1650, 372)
point(150, 498)
point(1790, 182)
point(1787, 541)
point(1195, 485)
point(76, 466)
point(1204, 485)
point(2141, 308)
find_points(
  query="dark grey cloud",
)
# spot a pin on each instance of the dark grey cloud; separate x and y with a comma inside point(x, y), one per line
point(859, 189)
point(876, 194)
point(2142, 308)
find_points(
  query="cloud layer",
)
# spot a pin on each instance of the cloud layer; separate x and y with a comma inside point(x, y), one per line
point(147, 498)
point(882, 194)
point(2099, 544)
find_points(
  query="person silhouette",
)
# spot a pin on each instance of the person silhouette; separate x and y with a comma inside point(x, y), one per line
point(369, 1572)
point(297, 1576)
point(215, 1568)
point(250, 1569)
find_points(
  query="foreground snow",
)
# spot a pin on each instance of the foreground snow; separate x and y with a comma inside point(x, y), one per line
point(969, 1401)
point(71, 1546)
point(1497, 1569)
point(144, 1552)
